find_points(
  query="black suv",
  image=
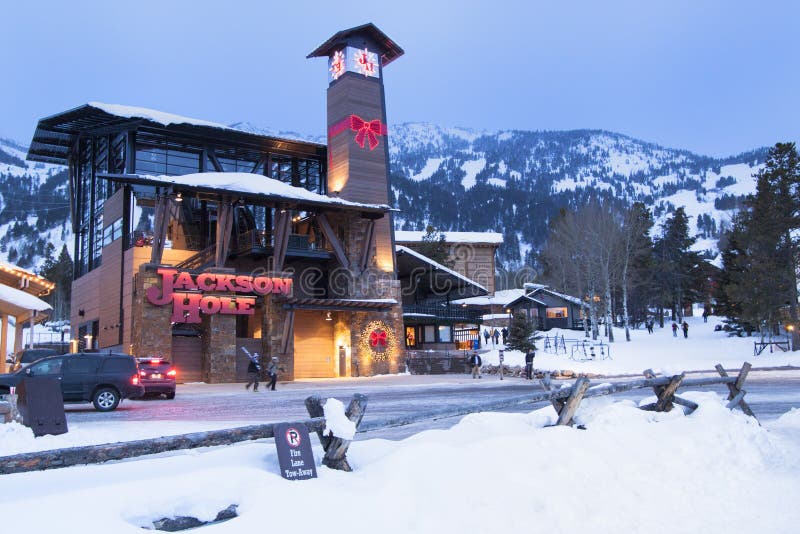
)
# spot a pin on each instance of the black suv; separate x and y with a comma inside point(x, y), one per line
point(100, 378)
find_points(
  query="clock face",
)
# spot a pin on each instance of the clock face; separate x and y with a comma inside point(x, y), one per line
point(366, 62)
point(337, 64)
point(350, 59)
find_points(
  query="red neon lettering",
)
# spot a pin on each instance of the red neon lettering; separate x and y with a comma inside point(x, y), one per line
point(262, 285)
point(246, 305)
point(224, 282)
point(244, 284)
point(186, 307)
point(210, 305)
point(160, 296)
point(205, 282)
point(184, 281)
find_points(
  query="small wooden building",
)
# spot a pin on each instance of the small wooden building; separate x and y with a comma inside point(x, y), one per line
point(549, 309)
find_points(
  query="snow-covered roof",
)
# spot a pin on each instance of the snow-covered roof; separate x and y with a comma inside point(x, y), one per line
point(17, 302)
point(250, 184)
point(437, 265)
point(532, 289)
point(161, 117)
point(500, 298)
point(412, 236)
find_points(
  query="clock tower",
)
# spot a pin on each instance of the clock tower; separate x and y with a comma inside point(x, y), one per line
point(358, 152)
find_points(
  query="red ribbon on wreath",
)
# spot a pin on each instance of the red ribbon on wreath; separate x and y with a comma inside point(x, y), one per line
point(377, 339)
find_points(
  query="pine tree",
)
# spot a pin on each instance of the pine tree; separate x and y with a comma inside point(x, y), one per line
point(522, 335)
point(433, 246)
point(59, 271)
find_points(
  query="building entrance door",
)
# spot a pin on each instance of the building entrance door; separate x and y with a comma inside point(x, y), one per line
point(313, 345)
point(187, 357)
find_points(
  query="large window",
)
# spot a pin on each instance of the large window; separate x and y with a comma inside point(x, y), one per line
point(556, 313)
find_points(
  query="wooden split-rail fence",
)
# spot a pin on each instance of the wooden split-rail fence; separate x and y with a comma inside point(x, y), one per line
point(565, 400)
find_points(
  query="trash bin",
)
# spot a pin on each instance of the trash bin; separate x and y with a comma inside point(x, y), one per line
point(41, 405)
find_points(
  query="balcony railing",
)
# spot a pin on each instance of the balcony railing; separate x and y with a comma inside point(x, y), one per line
point(443, 311)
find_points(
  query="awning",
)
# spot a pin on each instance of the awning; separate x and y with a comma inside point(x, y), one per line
point(339, 304)
point(20, 304)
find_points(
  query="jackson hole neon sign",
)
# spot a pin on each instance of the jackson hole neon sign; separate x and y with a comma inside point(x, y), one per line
point(186, 307)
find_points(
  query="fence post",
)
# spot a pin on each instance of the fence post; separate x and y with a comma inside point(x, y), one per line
point(336, 448)
point(572, 403)
point(735, 389)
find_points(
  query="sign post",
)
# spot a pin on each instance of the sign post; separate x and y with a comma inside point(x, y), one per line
point(501, 364)
point(295, 457)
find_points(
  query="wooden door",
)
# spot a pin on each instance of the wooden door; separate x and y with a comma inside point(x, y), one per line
point(314, 355)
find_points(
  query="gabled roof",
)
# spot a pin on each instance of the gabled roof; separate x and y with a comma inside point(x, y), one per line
point(536, 289)
point(500, 298)
point(414, 236)
point(55, 135)
point(409, 260)
point(389, 49)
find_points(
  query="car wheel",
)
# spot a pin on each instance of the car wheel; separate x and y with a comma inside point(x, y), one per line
point(170, 396)
point(105, 399)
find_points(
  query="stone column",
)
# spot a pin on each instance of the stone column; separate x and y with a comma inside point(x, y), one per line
point(219, 348)
point(151, 327)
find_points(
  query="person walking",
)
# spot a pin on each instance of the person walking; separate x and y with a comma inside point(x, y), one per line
point(529, 365)
point(649, 325)
point(272, 372)
point(685, 327)
point(504, 331)
point(486, 336)
point(674, 329)
point(496, 337)
point(253, 368)
point(475, 361)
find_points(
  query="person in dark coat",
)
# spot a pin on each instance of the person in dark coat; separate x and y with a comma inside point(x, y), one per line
point(649, 325)
point(529, 356)
point(476, 362)
point(504, 331)
point(272, 372)
point(675, 329)
point(496, 337)
point(486, 336)
point(253, 368)
point(685, 327)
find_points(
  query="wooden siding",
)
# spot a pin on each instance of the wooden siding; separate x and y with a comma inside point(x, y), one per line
point(314, 355)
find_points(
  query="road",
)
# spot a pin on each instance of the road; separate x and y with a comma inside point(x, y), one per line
point(770, 394)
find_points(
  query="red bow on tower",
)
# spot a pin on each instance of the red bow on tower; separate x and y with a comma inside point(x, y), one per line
point(367, 130)
point(377, 338)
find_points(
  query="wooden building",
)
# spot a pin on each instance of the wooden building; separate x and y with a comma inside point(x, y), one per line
point(199, 242)
point(472, 254)
point(549, 309)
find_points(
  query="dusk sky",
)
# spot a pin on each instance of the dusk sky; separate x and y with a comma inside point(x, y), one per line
point(713, 77)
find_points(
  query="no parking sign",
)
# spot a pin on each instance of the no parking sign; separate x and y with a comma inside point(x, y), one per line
point(295, 457)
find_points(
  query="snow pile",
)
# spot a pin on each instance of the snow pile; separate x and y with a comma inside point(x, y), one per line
point(336, 422)
point(715, 471)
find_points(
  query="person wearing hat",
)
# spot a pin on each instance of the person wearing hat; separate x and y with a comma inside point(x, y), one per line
point(272, 372)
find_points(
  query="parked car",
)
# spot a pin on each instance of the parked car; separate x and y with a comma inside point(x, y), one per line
point(103, 379)
point(26, 357)
point(157, 376)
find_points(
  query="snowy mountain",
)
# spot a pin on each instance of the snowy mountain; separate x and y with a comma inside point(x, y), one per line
point(34, 207)
point(457, 179)
point(514, 182)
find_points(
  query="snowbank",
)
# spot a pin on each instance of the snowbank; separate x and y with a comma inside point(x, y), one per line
point(633, 471)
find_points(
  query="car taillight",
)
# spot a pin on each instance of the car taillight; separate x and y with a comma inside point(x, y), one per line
point(172, 373)
point(135, 380)
point(155, 361)
point(142, 373)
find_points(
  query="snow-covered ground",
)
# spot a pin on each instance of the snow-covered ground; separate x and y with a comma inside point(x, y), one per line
point(661, 351)
point(715, 470)
point(632, 471)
